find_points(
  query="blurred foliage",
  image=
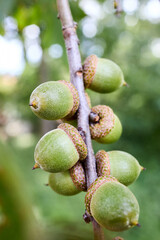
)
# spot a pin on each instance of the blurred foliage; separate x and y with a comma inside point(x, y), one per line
point(17, 218)
point(137, 106)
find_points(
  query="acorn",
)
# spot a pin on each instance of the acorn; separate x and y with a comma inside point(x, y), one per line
point(121, 165)
point(108, 129)
point(59, 149)
point(102, 75)
point(70, 182)
point(54, 100)
point(112, 204)
point(62, 183)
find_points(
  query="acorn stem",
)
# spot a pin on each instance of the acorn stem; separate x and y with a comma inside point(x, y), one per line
point(93, 117)
point(76, 77)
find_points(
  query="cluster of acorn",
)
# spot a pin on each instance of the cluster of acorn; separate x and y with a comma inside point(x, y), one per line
point(62, 151)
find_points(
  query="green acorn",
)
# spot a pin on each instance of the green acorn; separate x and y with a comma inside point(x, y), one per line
point(69, 182)
point(59, 149)
point(121, 165)
point(112, 204)
point(62, 183)
point(102, 75)
point(54, 100)
point(109, 128)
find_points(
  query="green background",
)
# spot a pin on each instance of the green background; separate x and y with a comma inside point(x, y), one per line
point(29, 208)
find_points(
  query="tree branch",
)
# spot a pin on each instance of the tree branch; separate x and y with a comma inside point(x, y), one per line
point(76, 76)
point(118, 7)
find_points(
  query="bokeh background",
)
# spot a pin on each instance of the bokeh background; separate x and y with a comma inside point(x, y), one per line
point(32, 51)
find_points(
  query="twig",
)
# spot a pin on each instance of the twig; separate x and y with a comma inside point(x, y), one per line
point(118, 7)
point(117, 238)
point(76, 76)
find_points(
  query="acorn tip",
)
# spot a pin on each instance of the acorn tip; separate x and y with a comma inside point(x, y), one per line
point(135, 223)
point(46, 184)
point(33, 104)
point(138, 225)
point(126, 84)
point(143, 168)
point(35, 166)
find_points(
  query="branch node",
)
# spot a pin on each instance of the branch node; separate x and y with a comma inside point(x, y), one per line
point(87, 217)
point(63, 28)
point(68, 27)
point(94, 117)
point(79, 72)
point(118, 8)
point(75, 25)
point(82, 133)
point(66, 33)
point(117, 238)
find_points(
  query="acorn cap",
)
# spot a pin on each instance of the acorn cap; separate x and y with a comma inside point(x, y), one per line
point(55, 152)
point(78, 176)
point(102, 75)
point(62, 183)
point(89, 69)
point(94, 186)
point(109, 128)
point(102, 163)
point(114, 134)
point(75, 98)
point(76, 138)
point(73, 117)
point(106, 122)
point(88, 99)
